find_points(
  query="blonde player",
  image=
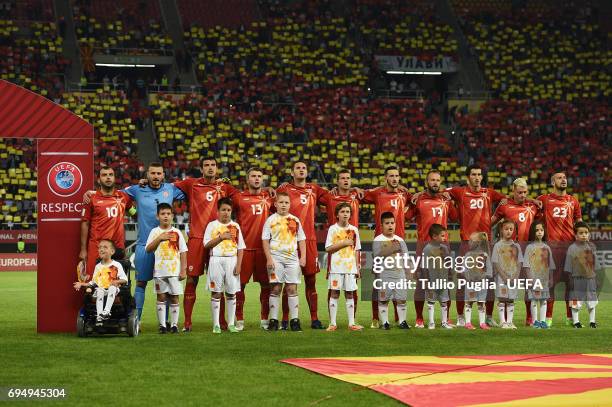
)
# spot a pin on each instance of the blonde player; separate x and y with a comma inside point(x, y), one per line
point(108, 276)
point(477, 274)
point(392, 279)
point(224, 240)
point(170, 249)
point(281, 236)
point(435, 254)
point(539, 267)
point(507, 260)
point(343, 246)
point(582, 265)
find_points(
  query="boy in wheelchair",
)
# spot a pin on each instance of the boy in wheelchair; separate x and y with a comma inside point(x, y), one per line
point(107, 278)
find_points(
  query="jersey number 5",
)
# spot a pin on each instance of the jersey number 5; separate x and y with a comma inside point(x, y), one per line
point(303, 199)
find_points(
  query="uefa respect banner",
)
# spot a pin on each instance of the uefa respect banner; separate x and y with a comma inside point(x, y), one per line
point(65, 169)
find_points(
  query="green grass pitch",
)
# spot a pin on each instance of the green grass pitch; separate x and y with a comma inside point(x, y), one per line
point(240, 369)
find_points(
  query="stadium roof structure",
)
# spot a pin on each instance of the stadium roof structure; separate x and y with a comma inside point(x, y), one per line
point(25, 114)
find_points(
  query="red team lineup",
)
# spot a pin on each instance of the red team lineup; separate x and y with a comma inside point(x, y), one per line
point(476, 208)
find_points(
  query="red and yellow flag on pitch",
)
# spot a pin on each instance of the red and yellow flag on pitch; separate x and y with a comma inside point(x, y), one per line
point(501, 380)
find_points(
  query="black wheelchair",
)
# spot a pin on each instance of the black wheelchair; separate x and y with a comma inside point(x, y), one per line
point(123, 319)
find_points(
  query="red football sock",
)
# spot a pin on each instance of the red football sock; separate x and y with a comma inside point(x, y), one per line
point(489, 306)
point(527, 309)
point(459, 306)
point(285, 306)
point(418, 307)
point(375, 309)
point(264, 300)
point(395, 310)
point(240, 303)
point(550, 304)
point(222, 320)
point(189, 300)
point(311, 295)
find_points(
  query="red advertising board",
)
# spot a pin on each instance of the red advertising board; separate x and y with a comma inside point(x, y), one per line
point(65, 171)
point(17, 262)
point(13, 236)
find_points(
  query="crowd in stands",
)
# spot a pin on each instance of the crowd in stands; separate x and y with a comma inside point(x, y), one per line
point(538, 49)
point(26, 10)
point(31, 56)
point(17, 183)
point(126, 27)
point(286, 79)
point(113, 117)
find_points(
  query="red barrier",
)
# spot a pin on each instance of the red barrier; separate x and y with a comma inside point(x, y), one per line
point(65, 171)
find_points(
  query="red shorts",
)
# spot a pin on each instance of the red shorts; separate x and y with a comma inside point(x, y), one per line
point(197, 257)
point(312, 258)
point(253, 264)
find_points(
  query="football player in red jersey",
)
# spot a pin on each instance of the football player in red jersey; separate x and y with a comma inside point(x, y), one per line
point(561, 212)
point(431, 207)
point(305, 197)
point(522, 213)
point(203, 194)
point(474, 206)
point(390, 198)
point(252, 208)
point(103, 219)
point(344, 193)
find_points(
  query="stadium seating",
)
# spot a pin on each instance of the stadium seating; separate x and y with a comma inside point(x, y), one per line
point(540, 50)
point(17, 183)
point(31, 56)
point(128, 27)
point(112, 114)
point(213, 13)
point(27, 10)
point(535, 139)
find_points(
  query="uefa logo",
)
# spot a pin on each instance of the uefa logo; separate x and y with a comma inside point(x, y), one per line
point(64, 179)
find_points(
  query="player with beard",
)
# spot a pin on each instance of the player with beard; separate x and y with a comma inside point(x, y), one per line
point(203, 194)
point(390, 198)
point(474, 206)
point(305, 197)
point(522, 213)
point(252, 207)
point(431, 207)
point(344, 193)
point(148, 194)
point(561, 212)
point(103, 219)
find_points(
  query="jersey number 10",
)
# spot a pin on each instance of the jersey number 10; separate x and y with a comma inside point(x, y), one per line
point(112, 212)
